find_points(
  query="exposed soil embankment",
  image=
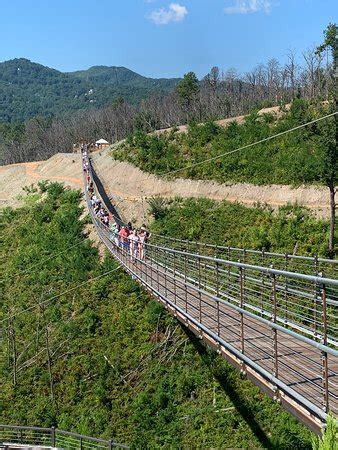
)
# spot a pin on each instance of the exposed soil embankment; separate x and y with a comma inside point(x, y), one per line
point(62, 167)
point(130, 187)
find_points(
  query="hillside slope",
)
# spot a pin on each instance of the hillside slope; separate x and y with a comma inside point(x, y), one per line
point(262, 148)
point(131, 186)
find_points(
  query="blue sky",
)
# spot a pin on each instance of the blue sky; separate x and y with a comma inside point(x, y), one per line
point(160, 38)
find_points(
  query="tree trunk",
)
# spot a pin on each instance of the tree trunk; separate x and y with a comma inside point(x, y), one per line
point(332, 220)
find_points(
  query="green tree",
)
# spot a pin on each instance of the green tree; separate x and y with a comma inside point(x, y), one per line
point(329, 172)
point(187, 91)
point(329, 439)
point(329, 136)
point(329, 39)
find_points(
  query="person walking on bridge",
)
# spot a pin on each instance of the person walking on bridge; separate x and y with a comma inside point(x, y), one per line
point(123, 234)
point(133, 245)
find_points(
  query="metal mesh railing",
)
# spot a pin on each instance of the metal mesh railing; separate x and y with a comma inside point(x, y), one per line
point(52, 437)
point(311, 265)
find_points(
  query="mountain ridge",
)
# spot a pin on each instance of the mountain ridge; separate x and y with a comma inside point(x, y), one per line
point(29, 89)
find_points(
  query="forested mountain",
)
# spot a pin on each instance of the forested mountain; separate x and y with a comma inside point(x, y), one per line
point(121, 76)
point(28, 89)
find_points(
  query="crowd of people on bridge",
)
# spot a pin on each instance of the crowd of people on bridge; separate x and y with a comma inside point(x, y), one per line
point(125, 237)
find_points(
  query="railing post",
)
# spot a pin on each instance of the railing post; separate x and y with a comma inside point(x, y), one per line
point(81, 446)
point(217, 279)
point(185, 283)
point(263, 282)
point(325, 369)
point(229, 268)
point(241, 298)
point(110, 444)
point(151, 267)
point(315, 297)
point(274, 330)
point(174, 268)
point(286, 298)
point(158, 275)
point(165, 273)
point(21, 438)
point(52, 435)
point(199, 290)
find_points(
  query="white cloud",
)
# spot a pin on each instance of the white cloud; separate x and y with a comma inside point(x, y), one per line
point(249, 6)
point(174, 13)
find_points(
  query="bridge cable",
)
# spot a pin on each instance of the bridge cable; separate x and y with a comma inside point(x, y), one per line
point(236, 150)
point(249, 145)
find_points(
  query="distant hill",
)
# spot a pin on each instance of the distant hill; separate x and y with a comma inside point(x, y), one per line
point(121, 76)
point(28, 89)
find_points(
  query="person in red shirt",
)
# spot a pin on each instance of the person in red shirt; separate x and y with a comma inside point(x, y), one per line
point(124, 233)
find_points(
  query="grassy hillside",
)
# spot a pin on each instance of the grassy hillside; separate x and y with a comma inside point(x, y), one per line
point(223, 223)
point(28, 89)
point(295, 158)
point(120, 366)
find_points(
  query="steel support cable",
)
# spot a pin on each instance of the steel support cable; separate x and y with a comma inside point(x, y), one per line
point(60, 295)
point(261, 141)
point(252, 144)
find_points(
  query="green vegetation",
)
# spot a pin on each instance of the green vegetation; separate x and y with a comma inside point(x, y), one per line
point(28, 89)
point(290, 228)
point(295, 158)
point(104, 359)
point(187, 90)
point(329, 440)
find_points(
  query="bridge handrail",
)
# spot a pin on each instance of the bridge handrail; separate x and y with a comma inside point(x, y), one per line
point(262, 269)
point(51, 435)
point(268, 270)
point(247, 251)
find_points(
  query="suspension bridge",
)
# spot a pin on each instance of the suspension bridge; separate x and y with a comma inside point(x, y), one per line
point(272, 316)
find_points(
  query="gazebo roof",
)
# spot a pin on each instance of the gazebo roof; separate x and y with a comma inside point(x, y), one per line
point(101, 141)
